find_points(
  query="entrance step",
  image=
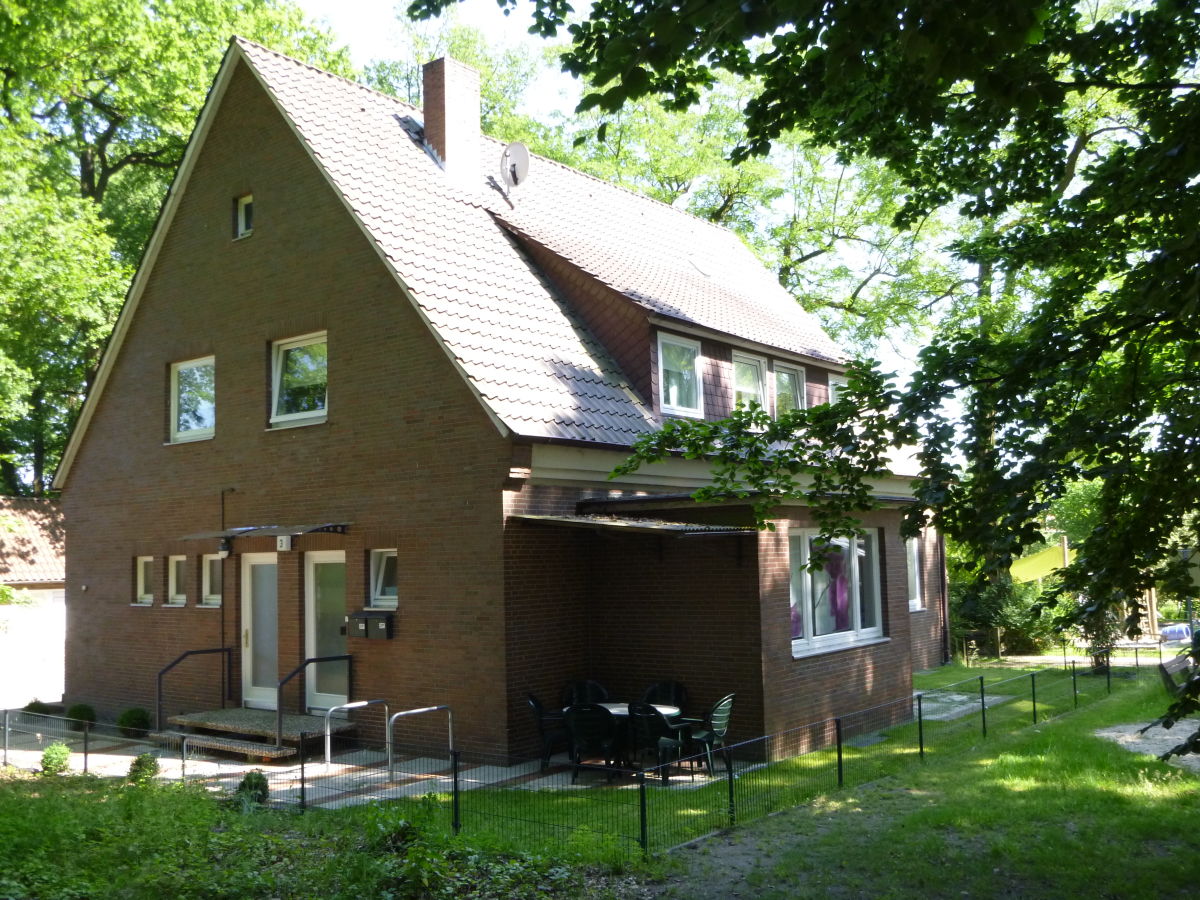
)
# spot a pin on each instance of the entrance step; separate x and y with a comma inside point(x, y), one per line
point(259, 723)
point(224, 744)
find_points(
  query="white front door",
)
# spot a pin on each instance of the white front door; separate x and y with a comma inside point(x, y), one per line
point(325, 630)
point(260, 630)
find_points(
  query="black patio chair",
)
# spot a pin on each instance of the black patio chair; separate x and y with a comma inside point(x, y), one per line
point(666, 693)
point(578, 693)
point(591, 732)
point(650, 732)
point(710, 731)
point(551, 729)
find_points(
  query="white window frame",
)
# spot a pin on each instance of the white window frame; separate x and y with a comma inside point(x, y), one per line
point(760, 365)
point(278, 351)
point(799, 374)
point(916, 596)
point(143, 590)
point(208, 596)
point(810, 643)
point(836, 384)
point(379, 559)
point(191, 434)
point(241, 227)
point(176, 592)
point(692, 412)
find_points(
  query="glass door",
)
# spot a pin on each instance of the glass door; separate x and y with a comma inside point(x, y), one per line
point(325, 618)
point(260, 630)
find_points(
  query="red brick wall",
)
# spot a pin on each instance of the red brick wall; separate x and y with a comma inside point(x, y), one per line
point(407, 457)
point(811, 688)
point(929, 624)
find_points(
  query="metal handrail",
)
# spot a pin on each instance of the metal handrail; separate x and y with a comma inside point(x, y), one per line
point(357, 704)
point(226, 677)
point(413, 712)
point(296, 671)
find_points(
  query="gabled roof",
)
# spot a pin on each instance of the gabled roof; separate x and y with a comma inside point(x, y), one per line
point(519, 345)
point(31, 541)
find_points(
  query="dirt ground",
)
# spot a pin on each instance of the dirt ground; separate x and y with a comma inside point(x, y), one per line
point(746, 862)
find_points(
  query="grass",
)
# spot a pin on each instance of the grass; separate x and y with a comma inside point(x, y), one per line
point(1045, 812)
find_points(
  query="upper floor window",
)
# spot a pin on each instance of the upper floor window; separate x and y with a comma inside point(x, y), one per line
point(837, 603)
point(837, 384)
point(789, 389)
point(176, 580)
point(243, 215)
point(193, 399)
point(679, 375)
point(211, 580)
point(143, 578)
point(749, 383)
point(384, 586)
point(299, 380)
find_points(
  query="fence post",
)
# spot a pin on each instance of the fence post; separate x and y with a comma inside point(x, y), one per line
point(87, 730)
point(456, 824)
point(1108, 670)
point(982, 706)
point(303, 798)
point(921, 725)
point(1074, 685)
point(1064, 643)
point(837, 726)
point(183, 758)
point(1033, 693)
point(1137, 663)
point(643, 817)
point(6, 737)
point(729, 780)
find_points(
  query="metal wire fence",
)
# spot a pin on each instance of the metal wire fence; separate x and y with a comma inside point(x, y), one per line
point(644, 808)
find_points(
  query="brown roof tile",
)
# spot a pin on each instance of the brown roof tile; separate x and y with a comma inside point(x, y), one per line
point(31, 541)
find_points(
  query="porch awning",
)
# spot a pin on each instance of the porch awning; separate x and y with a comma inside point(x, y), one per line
point(269, 531)
point(635, 526)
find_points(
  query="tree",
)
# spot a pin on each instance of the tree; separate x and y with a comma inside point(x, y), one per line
point(1001, 110)
point(97, 100)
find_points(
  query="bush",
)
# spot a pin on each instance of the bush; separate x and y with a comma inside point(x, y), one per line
point(56, 759)
point(79, 713)
point(254, 787)
point(38, 707)
point(134, 722)
point(143, 769)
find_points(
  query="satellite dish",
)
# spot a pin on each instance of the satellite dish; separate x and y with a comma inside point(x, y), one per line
point(514, 164)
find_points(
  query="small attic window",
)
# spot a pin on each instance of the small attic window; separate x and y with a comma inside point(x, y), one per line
point(243, 216)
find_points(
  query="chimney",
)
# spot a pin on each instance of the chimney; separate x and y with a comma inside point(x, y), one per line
point(451, 93)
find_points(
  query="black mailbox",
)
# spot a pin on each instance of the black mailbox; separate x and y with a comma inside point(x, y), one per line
point(374, 624)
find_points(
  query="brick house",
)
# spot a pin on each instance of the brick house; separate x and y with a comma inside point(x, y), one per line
point(358, 372)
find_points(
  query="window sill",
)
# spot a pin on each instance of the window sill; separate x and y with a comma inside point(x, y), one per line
point(682, 413)
point(296, 423)
point(175, 604)
point(143, 603)
point(386, 607)
point(190, 440)
point(209, 605)
point(245, 234)
point(808, 652)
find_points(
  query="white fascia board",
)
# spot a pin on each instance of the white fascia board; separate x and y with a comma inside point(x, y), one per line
point(590, 466)
point(138, 285)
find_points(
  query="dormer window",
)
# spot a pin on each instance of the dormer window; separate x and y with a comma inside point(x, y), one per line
point(679, 376)
point(789, 389)
point(243, 215)
point(749, 385)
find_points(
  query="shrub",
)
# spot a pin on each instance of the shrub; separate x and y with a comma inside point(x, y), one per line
point(143, 769)
point(38, 707)
point(134, 722)
point(254, 787)
point(56, 759)
point(79, 713)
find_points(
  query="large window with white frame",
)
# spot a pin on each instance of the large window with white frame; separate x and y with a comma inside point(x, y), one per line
point(789, 389)
point(212, 576)
point(384, 581)
point(193, 399)
point(680, 390)
point(912, 550)
point(749, 380)
point(299, 380)
point(176, 581)
point(836, 602)
point(143, 580)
